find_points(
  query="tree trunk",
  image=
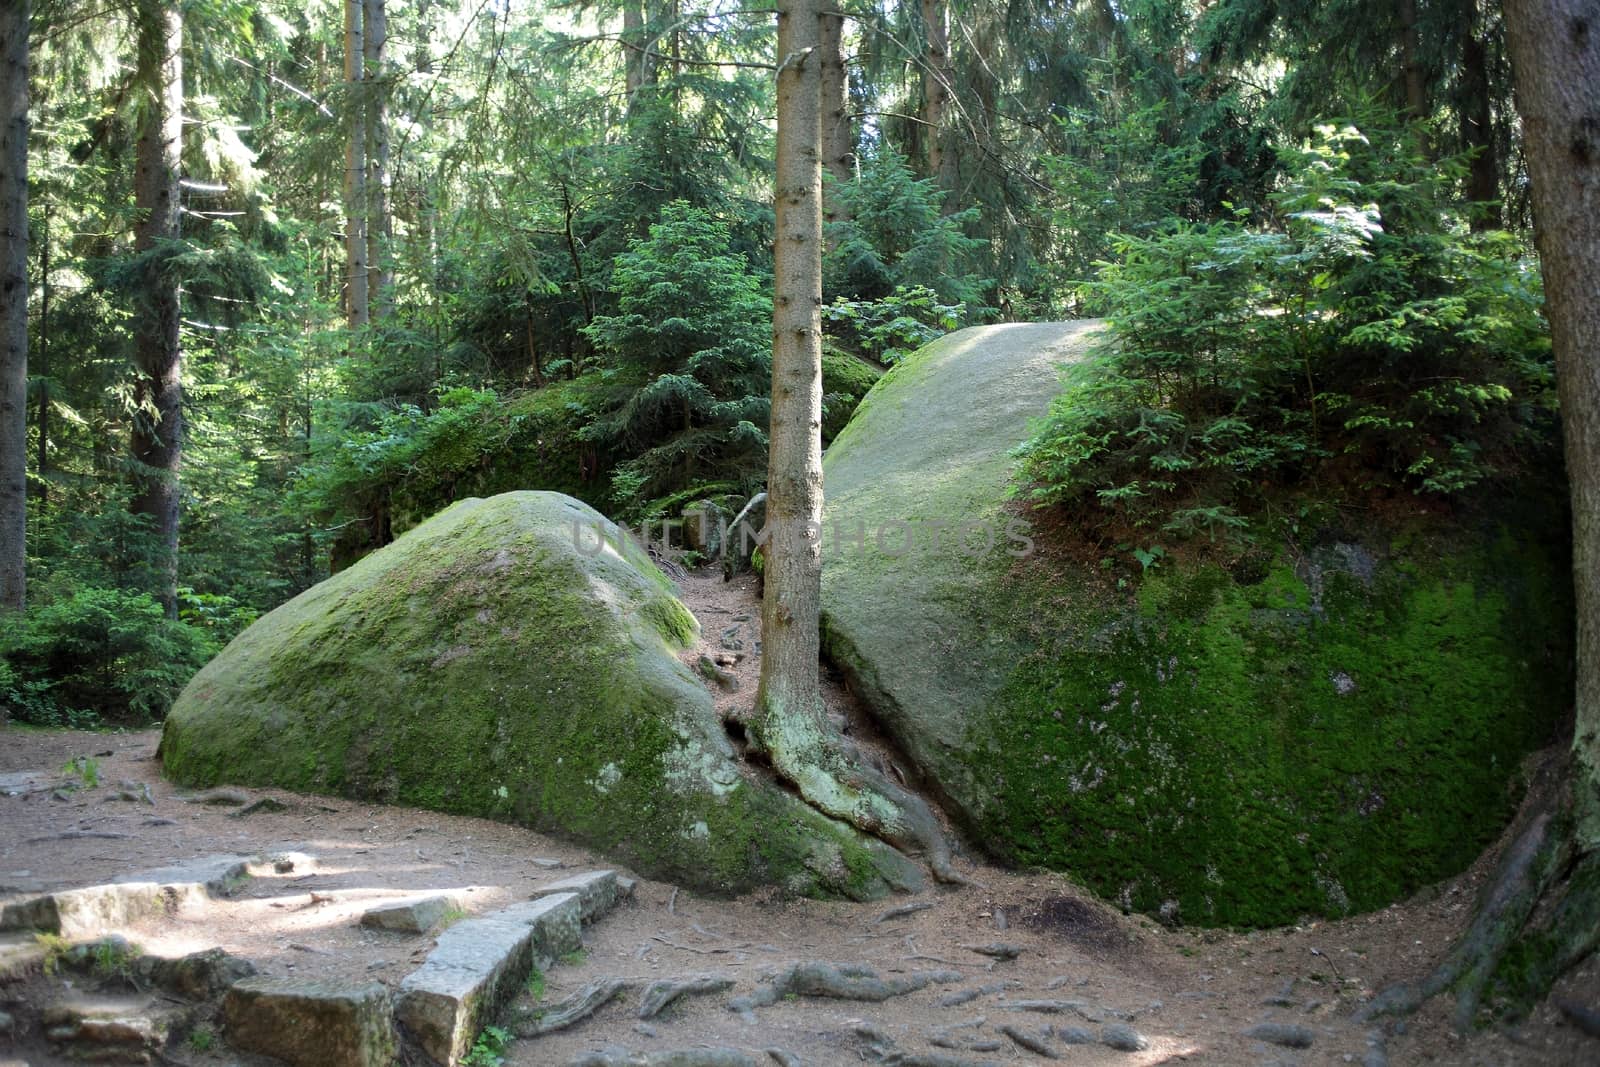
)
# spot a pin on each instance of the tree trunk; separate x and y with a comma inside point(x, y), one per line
point(789, 687)
point(1555, 58)
point(157, 440)
point(13, 304)
point(355, 168)
point(838, 132)
point(1539, 914)
point(43, 418)
point(1410, 61)
point(788, 722)
point(632, 48)
point(379, 225)
point(936, 83)
point(1477, 126)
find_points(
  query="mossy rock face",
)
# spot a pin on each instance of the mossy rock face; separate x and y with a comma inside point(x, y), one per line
point(495, 661)
point(1320, 732)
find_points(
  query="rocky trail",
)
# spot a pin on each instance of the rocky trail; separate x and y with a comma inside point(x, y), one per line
point(255, 926)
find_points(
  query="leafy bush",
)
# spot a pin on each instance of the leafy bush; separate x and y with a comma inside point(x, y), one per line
point(692, 340)
point(891, 328)
point(896, 236)
point(1366, 344)
point(97, 654)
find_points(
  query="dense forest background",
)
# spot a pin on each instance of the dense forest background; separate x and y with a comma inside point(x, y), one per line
point(451, 248)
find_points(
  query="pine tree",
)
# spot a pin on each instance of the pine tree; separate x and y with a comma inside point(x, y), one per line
point(13, 303)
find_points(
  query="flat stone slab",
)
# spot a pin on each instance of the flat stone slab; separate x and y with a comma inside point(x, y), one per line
point(477, 968)
point(116, 1029)
point(307, 1023)
point(97, 909)
point(19, 955)
point(598, 892)
point(414, 916)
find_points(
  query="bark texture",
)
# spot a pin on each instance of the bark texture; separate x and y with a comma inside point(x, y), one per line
point(1555, 54)
point(838, 132)
point(1477, 125)
point(355, 168)
point(789, 723)
point(157, 440)
point(789, 686)
point(380, 271)
point(936, 86)
point(13, 302)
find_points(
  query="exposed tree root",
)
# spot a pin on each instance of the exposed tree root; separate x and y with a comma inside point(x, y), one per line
point(841, 982)
point(689, 1057)
point(832, 777)
point(1538, 916)
point(664, 991)
point(532, 1022)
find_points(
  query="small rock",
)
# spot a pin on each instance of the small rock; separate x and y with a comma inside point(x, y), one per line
point(716, 674)
point(1000, 950)
point(1075, 1035)
point(1286, 1034)
point(546, 864)
point(410, 916)
point(197, 976)
point(1123, 1038)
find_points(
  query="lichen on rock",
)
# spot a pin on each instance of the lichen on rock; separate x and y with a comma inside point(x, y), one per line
point(493, 662)
point(1323, 731)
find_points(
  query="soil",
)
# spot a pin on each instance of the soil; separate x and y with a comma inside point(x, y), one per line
point(1191, 992)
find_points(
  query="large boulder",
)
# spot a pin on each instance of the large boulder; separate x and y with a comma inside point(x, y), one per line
point(495, 661)
point(1319, 728)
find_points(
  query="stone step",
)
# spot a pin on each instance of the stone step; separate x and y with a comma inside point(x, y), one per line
point(111, 1029)
point(477, 968)
point(89, 911)
point(597, 891)
point(20, 955)
point(415, 915)
point(309, 1023)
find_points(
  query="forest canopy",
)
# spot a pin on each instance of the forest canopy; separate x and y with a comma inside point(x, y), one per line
point(444, 249)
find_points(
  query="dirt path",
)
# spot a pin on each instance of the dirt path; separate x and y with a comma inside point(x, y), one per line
point(1190, 994)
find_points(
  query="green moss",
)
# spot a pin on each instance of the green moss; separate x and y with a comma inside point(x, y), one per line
point(1308, 745)
point(845, 380)
point(1319, 729)
point(484, 665)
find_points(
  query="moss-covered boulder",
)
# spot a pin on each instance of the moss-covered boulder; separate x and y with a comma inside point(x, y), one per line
point(495, 661)
point(1320, 728)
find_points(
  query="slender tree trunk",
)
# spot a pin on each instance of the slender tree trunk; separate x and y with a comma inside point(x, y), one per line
point(838, 132)
point(789, 687)
point(1555, 54)
point(1410, 61)
point(788, 723)
point(355, 170)
point(157, 440)
point(936, 84)
point(13, 304)
point(380, 225)
point(43, 361)
point(632, 49)
point(1477, 126)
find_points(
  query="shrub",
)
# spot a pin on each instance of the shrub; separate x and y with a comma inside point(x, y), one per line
point(1365, 344)
point(97, 655)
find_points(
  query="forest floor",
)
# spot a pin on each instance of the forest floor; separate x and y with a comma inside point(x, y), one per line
point(1191, 993)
